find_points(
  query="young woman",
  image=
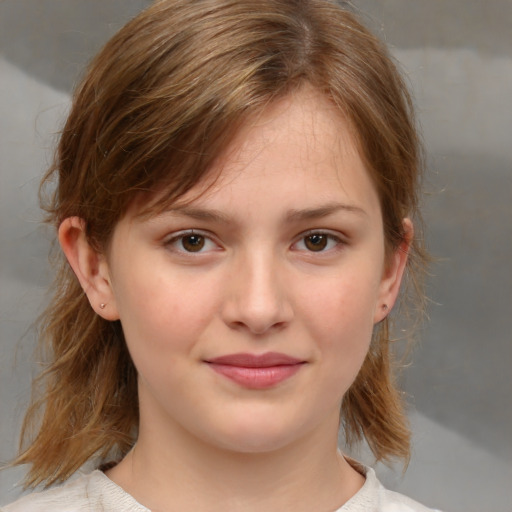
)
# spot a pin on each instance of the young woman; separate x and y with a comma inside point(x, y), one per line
point(235, 185)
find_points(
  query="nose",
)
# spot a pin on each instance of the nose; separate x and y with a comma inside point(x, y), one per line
point(258, 299)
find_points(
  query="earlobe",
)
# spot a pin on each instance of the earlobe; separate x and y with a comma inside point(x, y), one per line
point(393, 274)
point(90, 267)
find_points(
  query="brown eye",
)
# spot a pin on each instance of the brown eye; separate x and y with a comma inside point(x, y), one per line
point(192, 243)
point(316, 242)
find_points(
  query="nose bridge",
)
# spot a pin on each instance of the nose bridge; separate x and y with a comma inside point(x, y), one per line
point(258, 298)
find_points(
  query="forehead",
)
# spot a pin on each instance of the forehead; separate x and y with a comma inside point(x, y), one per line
point(302, 140)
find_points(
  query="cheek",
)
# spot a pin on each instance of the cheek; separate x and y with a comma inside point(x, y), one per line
point(163, 313)
point(339, 317)
point(341, 304)
point(339, 323)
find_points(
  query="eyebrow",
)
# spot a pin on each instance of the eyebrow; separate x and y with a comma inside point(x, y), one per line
point(294, 215)
point(323, 211)
point(200, 214)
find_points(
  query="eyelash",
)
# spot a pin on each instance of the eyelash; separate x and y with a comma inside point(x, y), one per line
point(327, 236)
point(206, 239)
point(176, 238)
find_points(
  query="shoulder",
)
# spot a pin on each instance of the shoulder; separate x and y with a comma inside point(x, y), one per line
point(374, 497)
point(93, 492)
point(393, 501)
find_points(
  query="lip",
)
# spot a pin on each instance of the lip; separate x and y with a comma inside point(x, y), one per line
point(256, 371)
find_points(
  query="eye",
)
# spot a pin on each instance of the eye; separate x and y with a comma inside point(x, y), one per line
point(317, 241)
point(191, 242)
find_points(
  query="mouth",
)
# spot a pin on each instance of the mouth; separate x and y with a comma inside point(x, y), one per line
point(256, 371)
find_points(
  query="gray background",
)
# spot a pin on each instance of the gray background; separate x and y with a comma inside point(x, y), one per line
point(458, 57)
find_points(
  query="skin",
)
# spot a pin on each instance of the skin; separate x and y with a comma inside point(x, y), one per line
point(258, 284)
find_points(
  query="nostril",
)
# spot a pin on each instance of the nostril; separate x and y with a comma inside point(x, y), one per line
point(258, 328)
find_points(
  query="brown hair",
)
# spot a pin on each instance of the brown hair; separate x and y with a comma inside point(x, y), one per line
point(157, 105)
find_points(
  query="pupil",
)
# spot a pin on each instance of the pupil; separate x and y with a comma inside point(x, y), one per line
point(316, 242)
point(193, 243)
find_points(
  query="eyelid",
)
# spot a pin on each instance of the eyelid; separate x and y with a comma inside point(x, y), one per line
point(174, 237)
point(338, 237)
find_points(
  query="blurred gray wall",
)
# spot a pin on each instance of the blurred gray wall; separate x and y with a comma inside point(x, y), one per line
point(458, 57)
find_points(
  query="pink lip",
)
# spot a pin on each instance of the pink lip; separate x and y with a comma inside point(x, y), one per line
point(256, 371)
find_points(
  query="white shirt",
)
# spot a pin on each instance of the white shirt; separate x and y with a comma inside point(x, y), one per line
point(95, 492)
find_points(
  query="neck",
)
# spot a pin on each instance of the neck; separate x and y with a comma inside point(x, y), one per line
point(164, 472)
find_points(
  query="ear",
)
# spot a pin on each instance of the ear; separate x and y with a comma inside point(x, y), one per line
point(91, 267)
point(393, 273)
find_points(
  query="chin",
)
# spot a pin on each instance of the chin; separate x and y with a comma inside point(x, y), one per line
point(257, 444)
point(253, 436)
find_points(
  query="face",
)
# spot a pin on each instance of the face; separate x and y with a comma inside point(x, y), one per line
point(248, 306)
